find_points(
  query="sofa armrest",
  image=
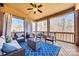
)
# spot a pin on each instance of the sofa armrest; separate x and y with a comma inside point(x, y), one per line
point(19, 52)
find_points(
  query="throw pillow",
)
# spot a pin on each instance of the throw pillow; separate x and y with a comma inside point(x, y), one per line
point(8, 39)
point(8, 48)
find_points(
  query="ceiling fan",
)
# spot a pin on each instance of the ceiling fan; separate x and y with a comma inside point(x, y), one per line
point(35, 8)
point(1, 4)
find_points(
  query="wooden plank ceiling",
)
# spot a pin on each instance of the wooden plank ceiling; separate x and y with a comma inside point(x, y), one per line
point(47, 9)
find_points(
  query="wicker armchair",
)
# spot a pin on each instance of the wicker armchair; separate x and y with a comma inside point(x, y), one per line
point(50, 38)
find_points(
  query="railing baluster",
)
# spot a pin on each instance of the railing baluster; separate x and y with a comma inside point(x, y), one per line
point(63, 36)
point(71, 38)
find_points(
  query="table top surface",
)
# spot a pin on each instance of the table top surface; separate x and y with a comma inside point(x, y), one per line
point(35, 39)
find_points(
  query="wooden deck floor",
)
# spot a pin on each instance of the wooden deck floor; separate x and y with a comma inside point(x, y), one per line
point(68, 49)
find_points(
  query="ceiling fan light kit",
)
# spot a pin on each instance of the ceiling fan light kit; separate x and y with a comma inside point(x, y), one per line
point(35, 8)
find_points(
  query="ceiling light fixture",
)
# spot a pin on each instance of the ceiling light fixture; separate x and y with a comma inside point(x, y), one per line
point(35, 9)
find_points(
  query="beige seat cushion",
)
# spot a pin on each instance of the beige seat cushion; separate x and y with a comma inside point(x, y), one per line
point(20, 38)
point(15, 44)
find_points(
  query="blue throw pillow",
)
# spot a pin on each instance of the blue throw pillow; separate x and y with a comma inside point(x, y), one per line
point(8, 48)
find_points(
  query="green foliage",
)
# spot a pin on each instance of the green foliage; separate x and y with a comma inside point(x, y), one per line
point(8, 39)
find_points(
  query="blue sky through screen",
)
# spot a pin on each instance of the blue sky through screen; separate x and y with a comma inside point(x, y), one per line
point(17, 21)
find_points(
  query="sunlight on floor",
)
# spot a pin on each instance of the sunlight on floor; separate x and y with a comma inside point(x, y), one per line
point(68, 49)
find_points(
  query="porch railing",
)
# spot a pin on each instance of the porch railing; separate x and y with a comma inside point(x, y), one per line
point(62, 36)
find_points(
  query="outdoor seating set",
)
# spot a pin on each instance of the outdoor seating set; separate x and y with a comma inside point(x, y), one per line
point(34, 42)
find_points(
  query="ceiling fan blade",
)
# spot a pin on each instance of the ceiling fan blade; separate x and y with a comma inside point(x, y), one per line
point(29, 8)
point(39, 6)
point(31, 4)
point(34, 12)
point(40, 11)
point(35, 5)
point(1, 4)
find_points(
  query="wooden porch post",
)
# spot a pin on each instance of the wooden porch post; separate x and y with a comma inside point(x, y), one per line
point(76, 27)
point(1, 24)
point(25, 28)
point(35, 28)
point(48, 26)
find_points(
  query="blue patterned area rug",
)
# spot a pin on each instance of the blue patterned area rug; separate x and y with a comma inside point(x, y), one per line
point(45, 50)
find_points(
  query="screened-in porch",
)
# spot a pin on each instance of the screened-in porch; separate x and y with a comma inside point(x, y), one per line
point(53, 31)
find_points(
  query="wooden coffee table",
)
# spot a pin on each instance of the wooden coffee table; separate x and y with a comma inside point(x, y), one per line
point(34, 43)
